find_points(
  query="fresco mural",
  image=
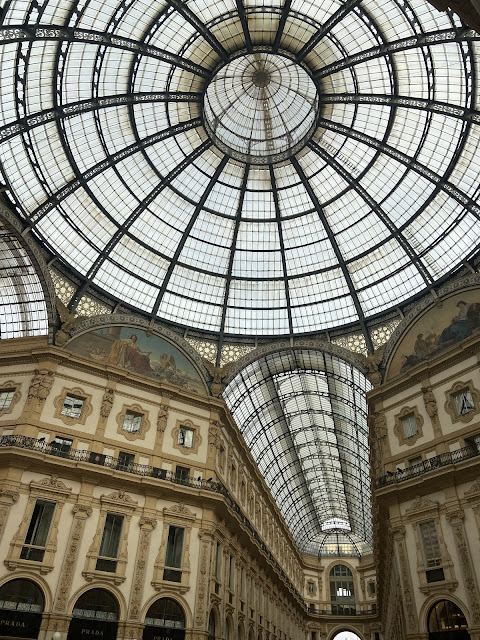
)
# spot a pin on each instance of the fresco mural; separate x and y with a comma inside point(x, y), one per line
point(148, 355)
point(438, 329)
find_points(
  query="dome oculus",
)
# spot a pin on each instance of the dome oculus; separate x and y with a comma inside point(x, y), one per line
point(260, 107)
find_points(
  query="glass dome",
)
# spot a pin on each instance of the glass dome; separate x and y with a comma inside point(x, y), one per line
point(244, 168)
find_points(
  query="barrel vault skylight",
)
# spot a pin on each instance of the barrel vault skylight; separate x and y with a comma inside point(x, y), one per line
point(240, 167)
point(303, 415)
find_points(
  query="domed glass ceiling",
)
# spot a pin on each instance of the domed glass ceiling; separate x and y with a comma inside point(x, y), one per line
point(244, 167)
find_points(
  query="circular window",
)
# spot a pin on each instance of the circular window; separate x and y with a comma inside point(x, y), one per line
point(261, 107)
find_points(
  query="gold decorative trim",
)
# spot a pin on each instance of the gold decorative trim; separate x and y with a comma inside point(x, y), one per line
point(144, 425)
point(76, 392)
point(450, 407)
point(10, 385)
point(197, 438)
point(398, 428)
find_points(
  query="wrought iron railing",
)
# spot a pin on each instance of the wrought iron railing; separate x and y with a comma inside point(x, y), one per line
point(442, 460)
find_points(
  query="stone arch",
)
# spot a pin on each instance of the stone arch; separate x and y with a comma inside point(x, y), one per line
point(23, 614)
point(328, 569)
point(172, 596)
point(317, 345)
point(116, 593)
point(437, 597)
point(38, 581)
point(345, 627)
point(240, 635)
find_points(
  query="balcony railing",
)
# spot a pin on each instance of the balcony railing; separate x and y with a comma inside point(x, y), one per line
point(443, 460)
point(347, 610)
point(100, 459)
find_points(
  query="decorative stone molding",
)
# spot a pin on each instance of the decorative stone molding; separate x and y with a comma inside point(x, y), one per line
point(107, 403)
point(76, 392)
point(196, 441)
point(10, 385)
point(53, 490)
point(203, 580)
point(378, 437)
point(117, 502)
point(450, 406)
point(178, 515)
point(455, 518)
point(421, 506)
point(398, 428)
point(147, 525)
point(162, 419)
point(40, 385)
point(432, 409)
point(7, 498)
point(406, 580)
point(80, 514)
point(144, 424)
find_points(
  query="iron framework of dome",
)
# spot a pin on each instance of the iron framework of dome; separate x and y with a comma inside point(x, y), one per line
point(346, 201)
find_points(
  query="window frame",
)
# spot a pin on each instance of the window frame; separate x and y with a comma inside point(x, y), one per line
point(398, 428)
point(10, 387)
point(144, 423)
point(451, 404)
point(76, 393)
point(196, 437)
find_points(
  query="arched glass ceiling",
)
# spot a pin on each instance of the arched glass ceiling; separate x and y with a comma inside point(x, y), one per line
point(23, 311)
point(303, 415)
point(107, 155)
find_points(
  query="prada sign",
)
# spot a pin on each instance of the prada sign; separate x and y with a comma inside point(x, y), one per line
point(163, 633)
point(19, 624)
point(83, 628)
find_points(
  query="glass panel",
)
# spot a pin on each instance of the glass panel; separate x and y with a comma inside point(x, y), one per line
point(111, 536)
point(409, 425)
point(173, 557)
point(72, 406)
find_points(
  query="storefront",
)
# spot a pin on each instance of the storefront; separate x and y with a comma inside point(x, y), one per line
point(21, 607)
point(95, 615)
point(165, 620)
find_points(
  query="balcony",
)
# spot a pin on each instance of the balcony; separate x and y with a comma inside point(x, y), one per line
point(443, 460)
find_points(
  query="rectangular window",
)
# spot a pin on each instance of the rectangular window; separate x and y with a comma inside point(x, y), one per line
point(185, 437)
point(430, 544)
point(132, 422)
point(231, 572)
point(415, 461)
point(72, 406)
point(61, 446)
point(174, 554)
point(112, 533)
point(6, 397)
point(409, 425)
point(125, 461)
point(182, 474)
point(37, 533)
point(464, 402)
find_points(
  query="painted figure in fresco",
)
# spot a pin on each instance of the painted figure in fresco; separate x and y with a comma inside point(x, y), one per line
point(463, 324)
point(125, 352)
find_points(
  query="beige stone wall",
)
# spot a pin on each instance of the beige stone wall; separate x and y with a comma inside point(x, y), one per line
point(264, 596)
point(442, 488)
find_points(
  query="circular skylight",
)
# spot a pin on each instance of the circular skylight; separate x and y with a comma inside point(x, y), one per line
point(137, 162)
point(260, 107)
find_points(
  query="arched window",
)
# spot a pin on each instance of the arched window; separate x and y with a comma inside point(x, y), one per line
point(346, 635)
point(228, 629)
point(165, 614)
point(21, 606)
point(342, 594)
point(446, 621)
point(95, 613)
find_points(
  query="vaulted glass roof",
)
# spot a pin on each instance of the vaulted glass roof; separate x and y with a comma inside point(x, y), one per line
point(244, 167)
point(303, 414)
